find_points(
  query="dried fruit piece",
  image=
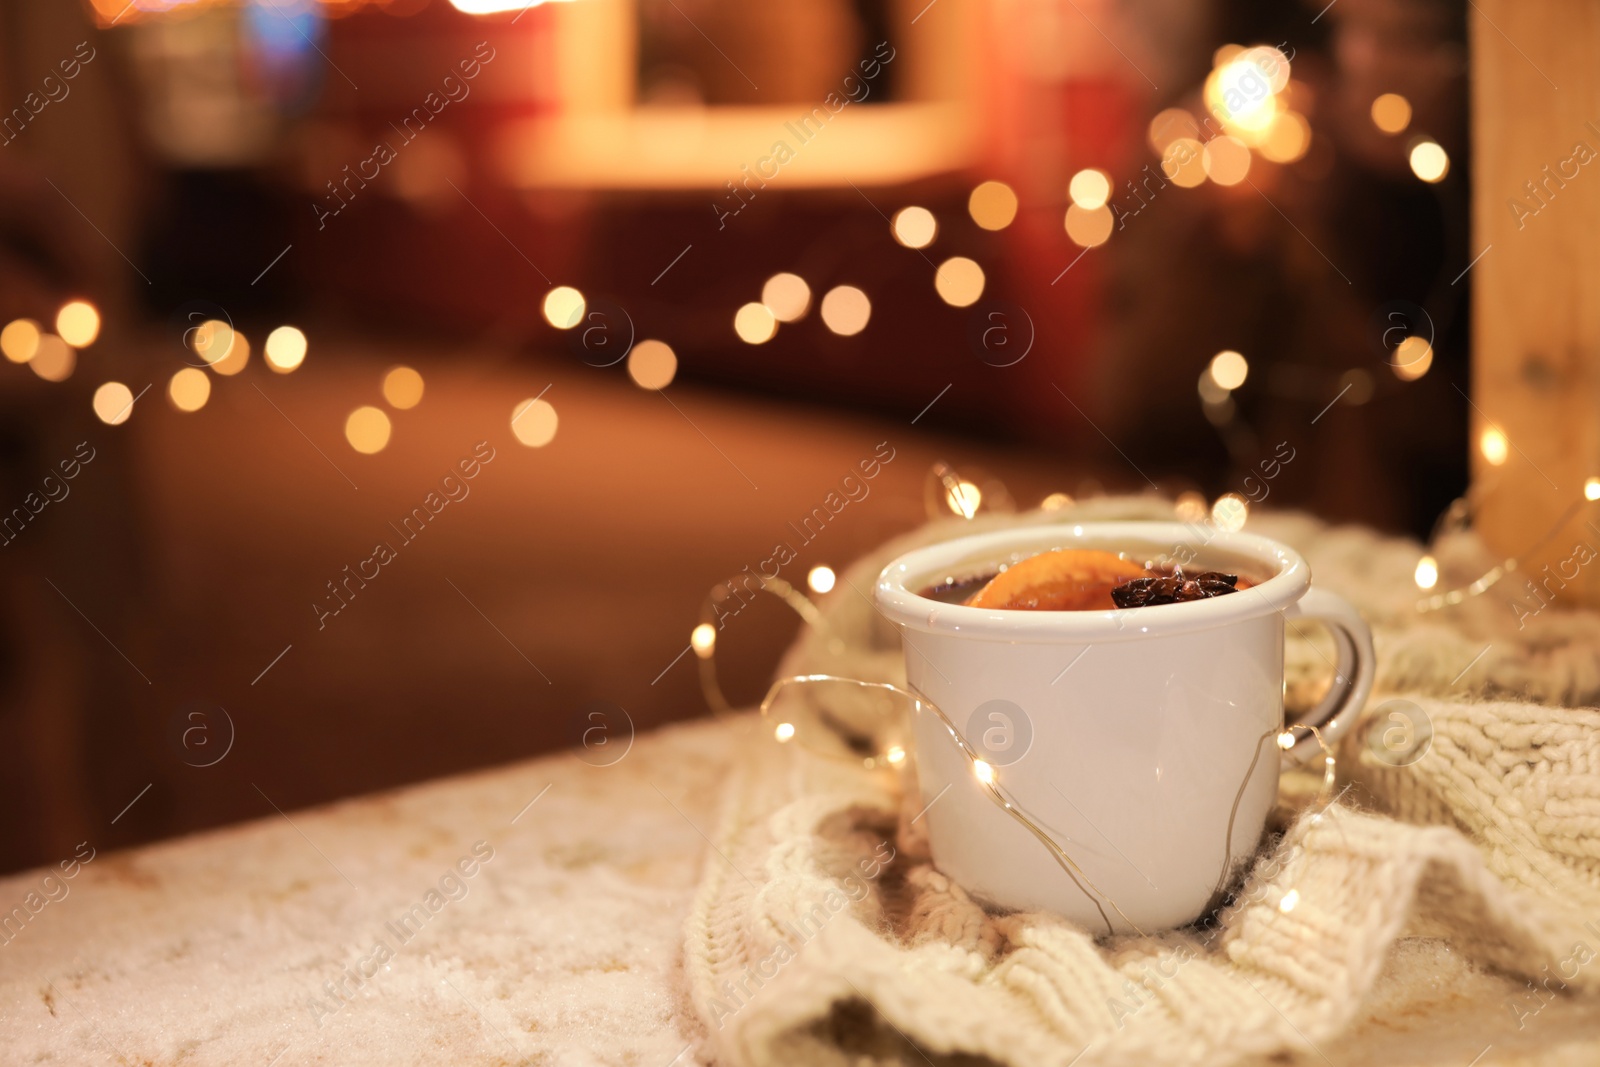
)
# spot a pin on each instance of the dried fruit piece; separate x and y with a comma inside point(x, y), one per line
point(1068, 579)
point(1173, 588)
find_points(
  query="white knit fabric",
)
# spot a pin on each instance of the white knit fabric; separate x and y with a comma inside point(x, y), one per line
point(800, 950)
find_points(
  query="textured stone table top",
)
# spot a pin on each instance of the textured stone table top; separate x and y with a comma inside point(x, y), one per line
point(527, 915)
point(446, 923)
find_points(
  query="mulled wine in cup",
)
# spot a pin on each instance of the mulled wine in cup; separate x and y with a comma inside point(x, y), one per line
point(1121, 686)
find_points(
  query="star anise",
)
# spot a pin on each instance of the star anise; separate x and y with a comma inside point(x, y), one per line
point(1173, 588)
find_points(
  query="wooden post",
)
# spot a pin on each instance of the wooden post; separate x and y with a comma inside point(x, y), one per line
point(1536, 296)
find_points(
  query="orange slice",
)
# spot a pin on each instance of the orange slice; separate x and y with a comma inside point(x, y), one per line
point(1068, 579)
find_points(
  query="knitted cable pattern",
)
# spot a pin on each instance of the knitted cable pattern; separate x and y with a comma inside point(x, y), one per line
point(822, 933)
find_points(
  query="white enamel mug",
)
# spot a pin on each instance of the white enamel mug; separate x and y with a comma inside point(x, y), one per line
point(1145, 742)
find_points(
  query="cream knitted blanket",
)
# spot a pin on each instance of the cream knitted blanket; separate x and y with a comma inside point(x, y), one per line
point(821, 933)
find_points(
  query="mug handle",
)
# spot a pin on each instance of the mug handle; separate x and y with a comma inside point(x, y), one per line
point(1352, 677)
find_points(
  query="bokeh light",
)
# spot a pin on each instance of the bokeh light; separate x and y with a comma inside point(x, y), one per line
point(1090, 189)
point(53, 359)
point(964, 498)
point(1226, 160)
point(534, 422)
point(113, 403)
point(1230, 512)
point(703, 639)
point(1288, 140)
point(915, 227)
point(1190, 506)
point(959, 281)
point(1591, 489)
point(846, 310)
point(755, 324)
point(19, 340)
point(403, 388)
point(367, 429)
point(189, 389)
point(1391, 112)
point(820, 578)
point(1427, 573)
point(1171, 125)
point(286, 349)
point(1229, 369)
point(1412, 358)
point(211, 340)
point(78, 323)
point(652, 364)
point(783, 732)
point(1055, 501)
point(788, 296)
point(1183, 163)
point(564, 307)
point(1494, 445)
point(992, 205)
point(236, 357)
point(1089, 227)
point(1429, 161)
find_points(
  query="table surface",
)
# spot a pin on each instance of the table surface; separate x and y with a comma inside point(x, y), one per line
point(287, 941)
point(261, 943)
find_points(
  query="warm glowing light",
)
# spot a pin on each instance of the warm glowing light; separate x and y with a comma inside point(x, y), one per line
point(189, 389)
point(1412, 358)
point(1055, 501)
point(1290, 899)
point(845, 310)
point(564, 307)
point(915, 227)
point(1090, 189)
point(211, 340)
point(1226, 160)
point(53, 359)
point(895, 755)
point(113, 403)
point(1171, 125)
point(1210, 392)
point(286, 349)
point(367, 430)
point(820, 578)
point(1272, 63)
point(1286, 740)
point(992, 205)
point(494, 7)
point(1089, 228)
point(984, 772)
point(964, 498)
point(652, 364)
point(1190, 506)
point(20, 340)
point(1391, 112)
point(1591, 489)
point(1230, 511)
point(1229, 369)
point(534, 422)
point(402, 388)
point(1241, 93)
point(959, 281)
point(1429, 161)
point(1494, 445)
point(1427, 572)
point(703, 639)
point(1288, 139)
point(788, 296)
point(1183, 162)
point(784, 731)
point(237, 355)
point(755, 324)
point(78, 323)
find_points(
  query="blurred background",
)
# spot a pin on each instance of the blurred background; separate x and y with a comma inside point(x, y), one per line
point(387, 382)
